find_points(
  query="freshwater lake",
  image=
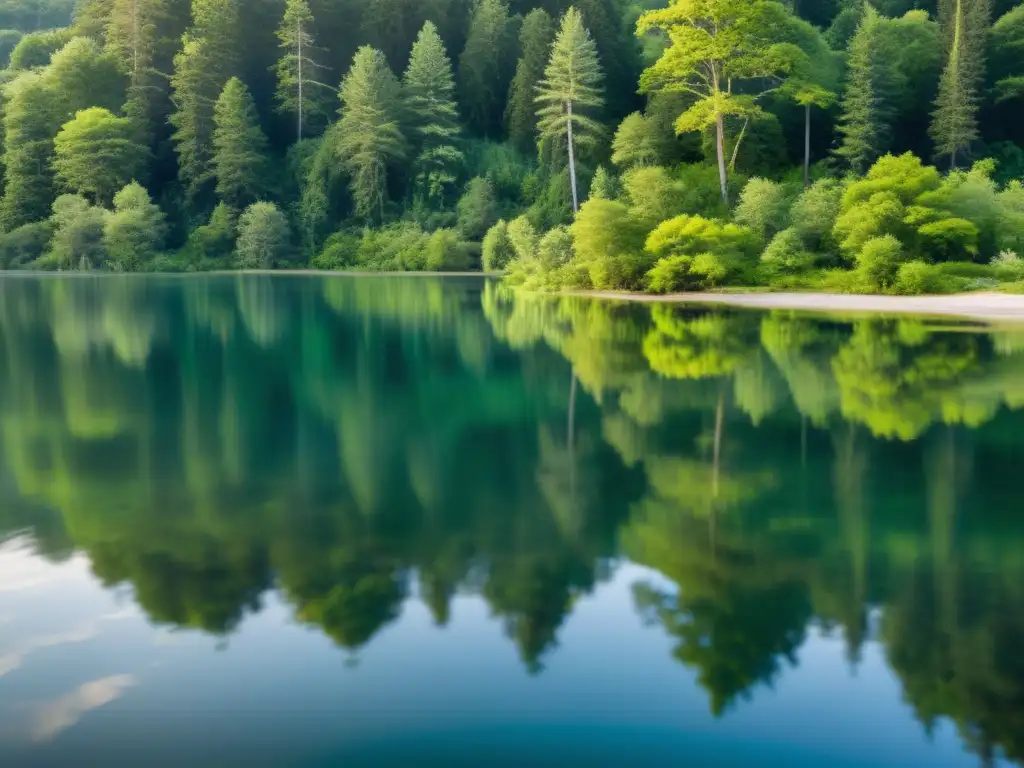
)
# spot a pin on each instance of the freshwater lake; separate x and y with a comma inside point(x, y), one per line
point(404, 521)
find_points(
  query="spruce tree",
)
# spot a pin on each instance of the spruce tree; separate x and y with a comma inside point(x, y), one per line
point(484, 67)
point(207, 60)
point(369, 135)
point(954, 125)
point(570, 92)
point(300, 92)
point(535, 40)
point(861, 125)
point(432, 115)
point(239, 147)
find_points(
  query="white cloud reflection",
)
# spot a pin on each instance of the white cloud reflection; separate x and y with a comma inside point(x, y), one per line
point(58, 715)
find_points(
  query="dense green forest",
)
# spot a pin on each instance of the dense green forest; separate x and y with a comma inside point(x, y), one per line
point(355, 445)
point(858, 146)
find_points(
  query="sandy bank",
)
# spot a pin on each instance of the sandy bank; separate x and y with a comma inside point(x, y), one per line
point(979, 306)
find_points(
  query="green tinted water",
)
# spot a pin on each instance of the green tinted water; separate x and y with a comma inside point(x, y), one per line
point(418, 521)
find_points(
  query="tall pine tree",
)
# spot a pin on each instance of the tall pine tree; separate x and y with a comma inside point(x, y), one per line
point(300, 91)
point(369, 136)
point(240, 148)
point(862, 124)
point(535, 40)
point(965, 24)
point(208, 59)
point(432, 115)
point(571, 92)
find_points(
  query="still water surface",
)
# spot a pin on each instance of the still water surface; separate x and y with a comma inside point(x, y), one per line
point(420, 521)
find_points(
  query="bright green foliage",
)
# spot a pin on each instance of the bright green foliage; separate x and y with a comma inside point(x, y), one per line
point(497, 249)
point(863, 124)
point(36, 48)
point(77, 234)
point(726, 54)
point(485, 67)
point(555, 248)
point(84, 75)
point(955, 122)
point(432, 117)
point(813, 214)
point(208, 58)
point(948, 239)
point(523, 238)
point(239, 148)
point(477, 209)
point(878, 261)
point(571, 92)
point(702, 253)
point(369, 136)
point(636, 142)
point(300, 90)
point(135, 231)
point(763, 208)
point(535, 39)
point(264, 237)
point(603, 185)
point(97, 154)
point(445, 252)
point(653, 194)
point(609, 242)
point(31, 118)
point(786, 254)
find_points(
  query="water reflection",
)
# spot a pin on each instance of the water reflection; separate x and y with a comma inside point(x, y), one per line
point(348, 445)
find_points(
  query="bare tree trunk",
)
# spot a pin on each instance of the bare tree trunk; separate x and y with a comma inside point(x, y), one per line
point(723, 177)
point(807, 145)
point(298, 36)
point(572, 159)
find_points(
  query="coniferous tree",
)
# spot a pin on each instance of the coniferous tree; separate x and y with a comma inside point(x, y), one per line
point(369, 133)
point(955, 120)
point(432, 115)
point(136, 35)
point(239, 147)
point(862, 125)
point(484, 67)
point(535, 40)
point(571, 92)
point(208, 59)
point(300, 92)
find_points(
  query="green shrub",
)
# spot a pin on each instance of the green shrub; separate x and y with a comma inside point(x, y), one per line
point(497, 247)
point(814, 213)
point(879, 261)
point(734, 248)
point(264, 237)
point(608, 239)
point(555, 248)
point(477, 209)
point(914, 278)
point(949, 239)
point(25, 244)
point(673, 274)
point(785, 255)
point(763, 208)
point(341, 251)
point(523, 238)
point(445, 252)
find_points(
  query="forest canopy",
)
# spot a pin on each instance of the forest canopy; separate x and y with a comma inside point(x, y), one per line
point(646, 144)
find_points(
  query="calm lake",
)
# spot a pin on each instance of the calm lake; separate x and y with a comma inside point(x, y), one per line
point(299, 520)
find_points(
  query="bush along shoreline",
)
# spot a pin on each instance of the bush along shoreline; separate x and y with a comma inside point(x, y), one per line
point(636, 145)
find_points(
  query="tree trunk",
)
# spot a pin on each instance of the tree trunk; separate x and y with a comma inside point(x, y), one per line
point(572, 159)
point(723, 177)
point(807, 145)
point(298, 35)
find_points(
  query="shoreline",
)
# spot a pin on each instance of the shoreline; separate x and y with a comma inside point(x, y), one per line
point(988, 306)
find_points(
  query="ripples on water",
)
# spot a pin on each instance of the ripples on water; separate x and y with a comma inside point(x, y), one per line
point(300, 520)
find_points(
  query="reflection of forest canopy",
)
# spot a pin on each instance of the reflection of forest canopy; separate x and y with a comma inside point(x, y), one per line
point(355, 442)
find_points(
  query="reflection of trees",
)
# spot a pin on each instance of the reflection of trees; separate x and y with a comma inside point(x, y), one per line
point(771, 502)
point(203, 440)
point(358, 442)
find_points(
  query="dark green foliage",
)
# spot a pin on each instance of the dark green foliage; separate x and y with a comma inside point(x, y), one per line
point(486, 68)
point(37, 48)
point(535, 38)
point(477, 209)
point(239, 148)
point(23, 245)
point(9, 38)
